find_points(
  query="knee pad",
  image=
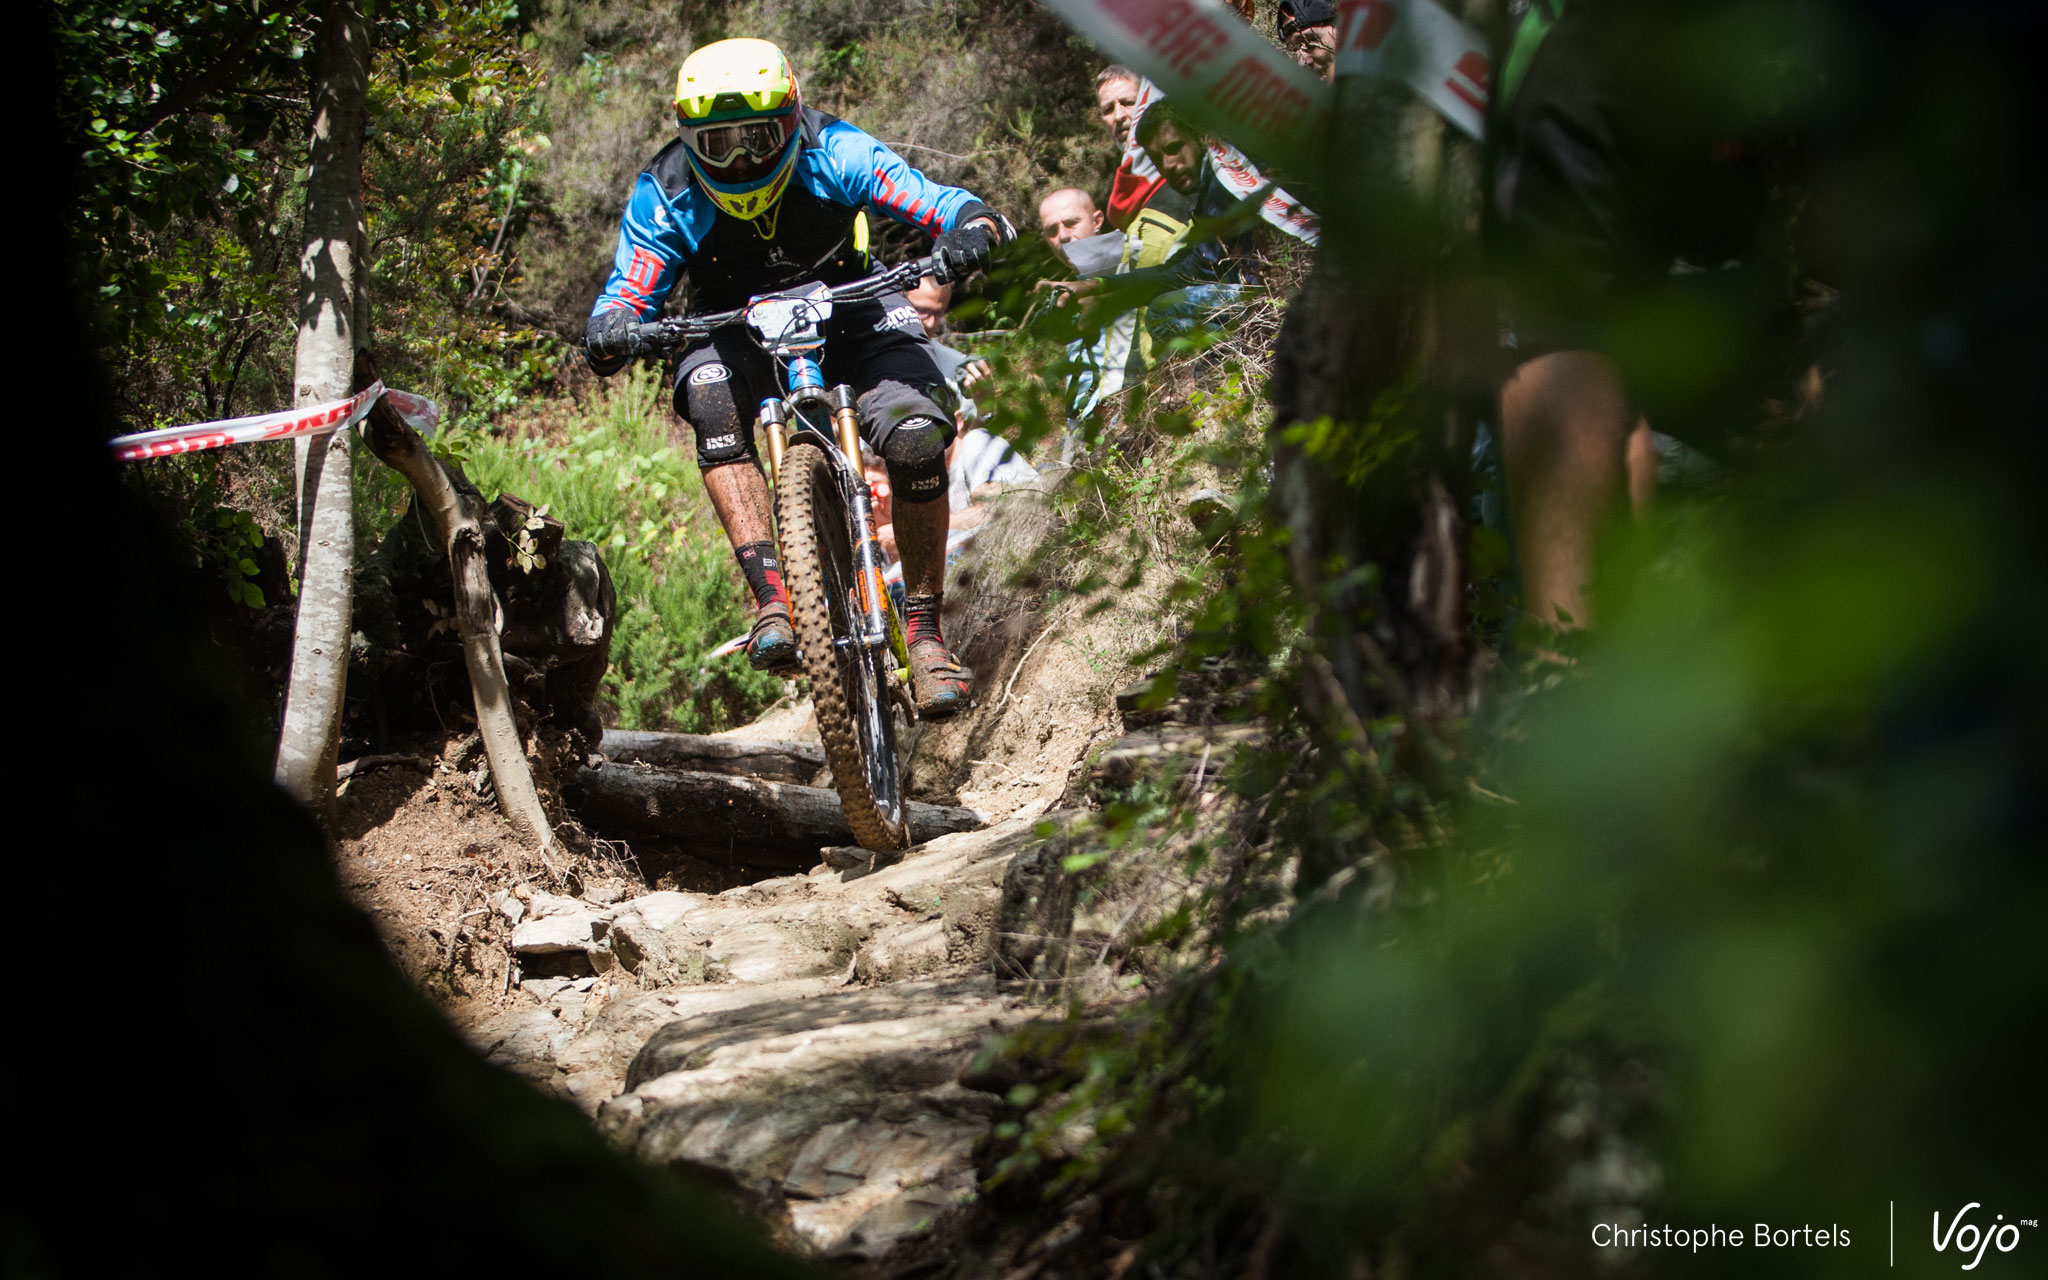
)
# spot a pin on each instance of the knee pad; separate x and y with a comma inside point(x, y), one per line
point(916, 454)
point(724, 434)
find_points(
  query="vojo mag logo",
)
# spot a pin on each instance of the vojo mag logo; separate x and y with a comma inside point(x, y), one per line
point(1968, 1236)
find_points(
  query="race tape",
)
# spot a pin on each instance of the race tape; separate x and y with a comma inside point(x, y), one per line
point(1242, 179)
point(1203, 55)
point(1424, 46)
point(420, 413)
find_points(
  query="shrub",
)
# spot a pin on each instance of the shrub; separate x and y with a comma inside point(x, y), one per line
point(608, 470)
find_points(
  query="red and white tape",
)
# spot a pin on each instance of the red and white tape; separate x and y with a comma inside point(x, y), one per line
point(1426, 47)
point(1205, 57)
point(420, 413)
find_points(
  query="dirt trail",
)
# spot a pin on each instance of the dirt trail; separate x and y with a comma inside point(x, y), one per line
point(801, 1036)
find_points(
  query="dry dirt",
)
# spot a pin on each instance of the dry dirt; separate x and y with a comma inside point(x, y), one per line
point(800, 1035)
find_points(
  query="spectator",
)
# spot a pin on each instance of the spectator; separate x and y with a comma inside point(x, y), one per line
point(929, 300)
point(1163, 286)
point(1615, 213)
point(1308, 31)
point(1067, 215)
point(978, 462)
point(1072, 227)
point(1157, 255)
point(1120, 94)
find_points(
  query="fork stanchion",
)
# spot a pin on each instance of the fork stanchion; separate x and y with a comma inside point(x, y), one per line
point(872, 591)
point(775, 419)
point(848, 424)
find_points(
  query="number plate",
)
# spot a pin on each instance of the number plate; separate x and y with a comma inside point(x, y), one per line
point(789, 322)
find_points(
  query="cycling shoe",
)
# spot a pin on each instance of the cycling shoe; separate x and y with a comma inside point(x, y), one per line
point(771, 645)
point(939, 685)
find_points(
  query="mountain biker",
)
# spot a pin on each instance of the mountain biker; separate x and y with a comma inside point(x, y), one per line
point(761, 193)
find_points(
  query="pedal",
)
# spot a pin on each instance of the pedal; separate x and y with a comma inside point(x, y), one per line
point(899, 693)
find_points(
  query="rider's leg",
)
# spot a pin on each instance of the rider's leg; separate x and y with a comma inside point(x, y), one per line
point(739, 494)
point(708, 395)
point(1642, 468)
point(921, 541)
point(913, 434)
point(1566, 426)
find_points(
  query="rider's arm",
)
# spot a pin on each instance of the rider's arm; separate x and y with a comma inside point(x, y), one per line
point(646, 264)
point(859, 170)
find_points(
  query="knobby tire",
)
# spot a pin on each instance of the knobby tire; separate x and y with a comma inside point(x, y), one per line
point(817, 567)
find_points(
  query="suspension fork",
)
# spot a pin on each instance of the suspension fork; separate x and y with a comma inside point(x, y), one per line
point(776, 419)
point(867, 548)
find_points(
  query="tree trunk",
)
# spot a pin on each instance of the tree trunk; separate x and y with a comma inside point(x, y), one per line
point(1386, 348)
point(332, 302)
point(458, 519)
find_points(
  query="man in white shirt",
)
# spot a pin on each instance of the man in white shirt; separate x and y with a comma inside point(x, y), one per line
point(1066, 215)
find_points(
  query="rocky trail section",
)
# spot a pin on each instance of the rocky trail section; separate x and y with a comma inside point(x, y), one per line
point(800, 1037)
point(796, 1020)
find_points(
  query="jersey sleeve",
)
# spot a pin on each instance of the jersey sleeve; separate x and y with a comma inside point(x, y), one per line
point(858, 170)
point(648, 260)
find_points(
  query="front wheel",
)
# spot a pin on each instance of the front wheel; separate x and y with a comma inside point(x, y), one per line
point(849, 681)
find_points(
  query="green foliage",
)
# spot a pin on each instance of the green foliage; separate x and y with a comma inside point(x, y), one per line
point(1734, 909)
point(192, 122)
point(612, 474)
point(454, 129)
point(133, 75)
point(235, 534)
point(219, 502)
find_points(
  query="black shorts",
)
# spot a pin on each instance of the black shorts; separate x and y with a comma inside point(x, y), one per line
point(1618, 222)
point(877, 348)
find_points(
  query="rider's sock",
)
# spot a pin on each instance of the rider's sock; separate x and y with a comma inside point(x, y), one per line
point(921, 618)
point(764, 574)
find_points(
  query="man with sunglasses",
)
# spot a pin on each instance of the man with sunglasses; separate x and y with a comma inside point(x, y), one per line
point(760, 193)
point(1308, 31)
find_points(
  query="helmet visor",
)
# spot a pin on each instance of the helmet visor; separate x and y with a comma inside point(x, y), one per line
point(721, 145)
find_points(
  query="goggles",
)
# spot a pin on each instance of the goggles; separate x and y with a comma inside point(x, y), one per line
point(720, 145)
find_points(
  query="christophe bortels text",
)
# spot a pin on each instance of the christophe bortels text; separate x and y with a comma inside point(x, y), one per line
point(1763, 1235)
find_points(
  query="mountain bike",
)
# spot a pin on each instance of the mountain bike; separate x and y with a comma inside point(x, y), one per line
point(849, 636)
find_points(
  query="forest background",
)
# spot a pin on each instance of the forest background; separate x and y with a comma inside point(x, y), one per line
point(501, 145)
point(1757, 932)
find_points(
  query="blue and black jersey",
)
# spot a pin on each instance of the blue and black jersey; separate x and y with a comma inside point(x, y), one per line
point(671, 226)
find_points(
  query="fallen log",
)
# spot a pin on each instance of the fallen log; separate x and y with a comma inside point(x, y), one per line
point(731, 820)
point(774, 761)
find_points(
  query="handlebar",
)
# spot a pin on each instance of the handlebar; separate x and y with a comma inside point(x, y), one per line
point(673, 331)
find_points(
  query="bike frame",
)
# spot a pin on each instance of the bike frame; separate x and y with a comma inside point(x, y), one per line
point(788, 327)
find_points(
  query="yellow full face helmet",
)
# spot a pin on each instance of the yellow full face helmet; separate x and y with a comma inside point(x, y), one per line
point(737, 105)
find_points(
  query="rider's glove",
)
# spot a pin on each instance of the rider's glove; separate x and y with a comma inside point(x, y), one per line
point(609, 339)
point(964, 250)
